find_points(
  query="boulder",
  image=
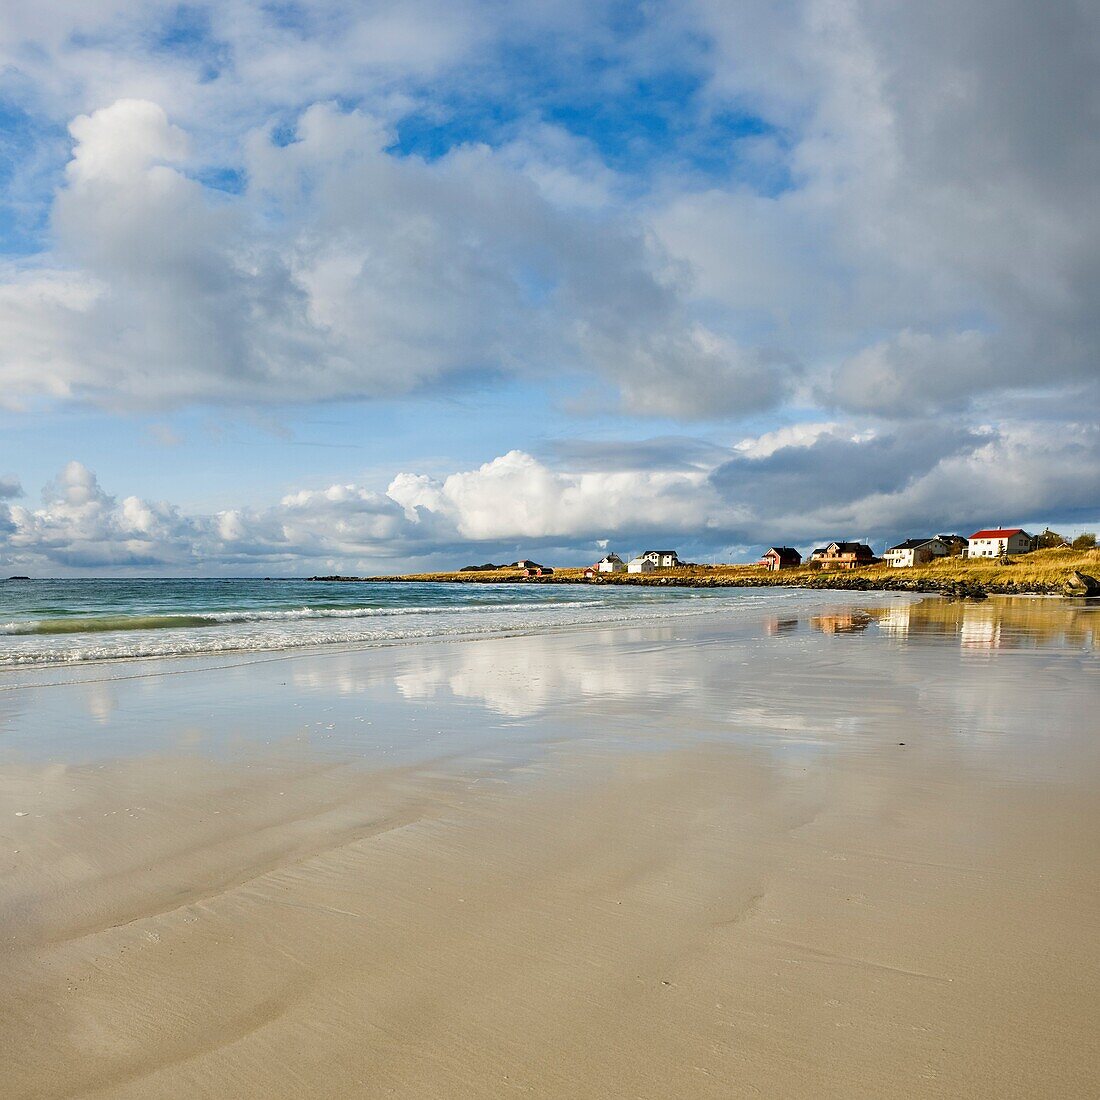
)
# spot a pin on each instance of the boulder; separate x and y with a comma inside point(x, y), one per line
point(1081, 584)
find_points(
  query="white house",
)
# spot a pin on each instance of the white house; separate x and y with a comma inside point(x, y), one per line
point(995, 541)
point(641, 565)
point(662, 559)
point(916, 552)
point(611, 564)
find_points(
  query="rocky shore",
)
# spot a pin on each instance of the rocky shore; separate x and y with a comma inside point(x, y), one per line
point(1073, 583)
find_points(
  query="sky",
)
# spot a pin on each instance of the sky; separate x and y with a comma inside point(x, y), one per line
point(313, 286)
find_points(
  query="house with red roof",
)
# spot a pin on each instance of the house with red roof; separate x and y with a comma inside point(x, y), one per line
point(995, 541)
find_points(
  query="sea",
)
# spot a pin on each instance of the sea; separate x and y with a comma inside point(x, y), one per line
point(51, 622)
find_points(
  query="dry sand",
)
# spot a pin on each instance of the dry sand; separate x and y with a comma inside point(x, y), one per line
point(725, 879)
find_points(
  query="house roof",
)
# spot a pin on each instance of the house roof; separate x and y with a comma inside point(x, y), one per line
point(672, 552)
point(849, 547)
point(611, 557)
point(782, 551)
point(998, 533)
point(912, 544)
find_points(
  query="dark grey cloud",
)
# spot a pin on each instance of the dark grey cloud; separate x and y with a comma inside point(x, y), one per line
point(659, 453)
point(837, 470)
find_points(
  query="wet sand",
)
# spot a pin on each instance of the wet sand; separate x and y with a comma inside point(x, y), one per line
point(847, 850)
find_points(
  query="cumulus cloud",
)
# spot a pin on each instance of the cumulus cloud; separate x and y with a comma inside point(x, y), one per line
point(840, 482)
point(914, 206)
point(343, 270)
point(79, 525)
point(517, 496)
point(871, 226)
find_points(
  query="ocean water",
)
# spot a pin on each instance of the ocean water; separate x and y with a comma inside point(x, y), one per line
point(47, 622)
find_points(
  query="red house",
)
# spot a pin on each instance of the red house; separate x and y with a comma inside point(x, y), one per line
point(781, 557)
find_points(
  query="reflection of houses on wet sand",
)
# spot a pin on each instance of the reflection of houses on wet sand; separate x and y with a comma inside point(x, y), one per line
point(775, 626)
point(976, 626)
point(895, 620)
point(980, 633)
point(1003, 623)
point(842, 622)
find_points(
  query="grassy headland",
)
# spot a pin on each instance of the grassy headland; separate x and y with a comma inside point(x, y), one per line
point(1043, 572)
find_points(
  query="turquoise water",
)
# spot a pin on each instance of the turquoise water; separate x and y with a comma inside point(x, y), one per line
point(62, 621)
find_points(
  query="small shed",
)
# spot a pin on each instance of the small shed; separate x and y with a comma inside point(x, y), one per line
point(612, 563)
point(641, 564)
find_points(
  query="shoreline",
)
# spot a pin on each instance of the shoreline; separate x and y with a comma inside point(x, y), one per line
point(230, 656)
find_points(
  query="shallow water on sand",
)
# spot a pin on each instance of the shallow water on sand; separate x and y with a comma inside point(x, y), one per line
point(68, 622)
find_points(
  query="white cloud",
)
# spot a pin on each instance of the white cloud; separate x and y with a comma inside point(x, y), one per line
point(344, 271)
point(794, 435)
point(517, 496)
point(833, 481)
point(912, 186)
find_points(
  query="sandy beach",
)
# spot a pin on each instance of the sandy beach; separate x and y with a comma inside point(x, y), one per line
point(843, 849)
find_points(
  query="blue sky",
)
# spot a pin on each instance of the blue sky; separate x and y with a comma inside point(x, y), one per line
point(316, 286)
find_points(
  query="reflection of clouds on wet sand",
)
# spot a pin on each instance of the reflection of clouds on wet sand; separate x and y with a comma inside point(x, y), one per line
point(100, 701)
point(521, 677)
point(837, 672)
point(789, 686)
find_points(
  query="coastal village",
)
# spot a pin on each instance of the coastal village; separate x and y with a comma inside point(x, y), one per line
point(991, 542)
point(991, 560)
